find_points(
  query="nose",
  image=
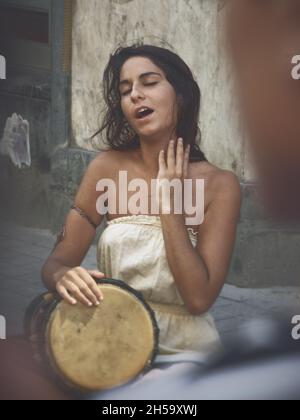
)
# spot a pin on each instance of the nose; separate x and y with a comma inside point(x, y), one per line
point(136, 94)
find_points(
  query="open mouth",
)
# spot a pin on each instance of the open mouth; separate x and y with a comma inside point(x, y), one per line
point(144, 113)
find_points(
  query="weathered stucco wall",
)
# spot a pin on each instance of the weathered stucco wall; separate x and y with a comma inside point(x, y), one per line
point(192, 28)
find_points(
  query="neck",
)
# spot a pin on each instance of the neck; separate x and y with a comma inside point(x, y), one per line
point(150, 149)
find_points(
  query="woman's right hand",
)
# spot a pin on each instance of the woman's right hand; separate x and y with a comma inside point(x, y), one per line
point(78, 285)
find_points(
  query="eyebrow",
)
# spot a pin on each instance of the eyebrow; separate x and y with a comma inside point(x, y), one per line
point(149, 73)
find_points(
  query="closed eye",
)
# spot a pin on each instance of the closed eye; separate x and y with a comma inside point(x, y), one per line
point(146, 84)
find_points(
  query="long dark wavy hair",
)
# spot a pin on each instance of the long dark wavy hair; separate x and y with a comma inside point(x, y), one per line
point(118, 133)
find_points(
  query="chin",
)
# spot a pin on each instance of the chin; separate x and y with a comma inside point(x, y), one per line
point(148, 132)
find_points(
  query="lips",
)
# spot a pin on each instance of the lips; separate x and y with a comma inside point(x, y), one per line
point(143, 112)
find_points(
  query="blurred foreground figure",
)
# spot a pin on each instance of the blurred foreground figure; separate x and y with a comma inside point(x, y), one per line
point(21, 378)
point(261, 363)
point(264, 40)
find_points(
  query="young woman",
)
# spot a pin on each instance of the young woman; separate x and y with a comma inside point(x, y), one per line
point(151, 127)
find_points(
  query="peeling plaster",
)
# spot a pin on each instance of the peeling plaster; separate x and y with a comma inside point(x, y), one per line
point(15, 141)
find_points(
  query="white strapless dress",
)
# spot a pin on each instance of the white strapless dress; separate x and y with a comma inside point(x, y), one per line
point(132, 249)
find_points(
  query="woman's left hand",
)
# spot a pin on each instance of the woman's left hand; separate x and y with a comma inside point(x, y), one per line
point(175, 168)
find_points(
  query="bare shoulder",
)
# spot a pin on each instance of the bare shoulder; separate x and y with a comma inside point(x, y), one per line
point(105, 158)
point(218, 181)
point(223, 180)
point(104, 164)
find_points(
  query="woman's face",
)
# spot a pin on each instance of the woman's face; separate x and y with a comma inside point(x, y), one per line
point(143, 84)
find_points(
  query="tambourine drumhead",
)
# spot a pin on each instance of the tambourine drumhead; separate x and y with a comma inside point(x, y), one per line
point(102, 347)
